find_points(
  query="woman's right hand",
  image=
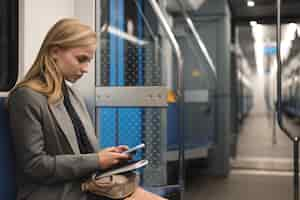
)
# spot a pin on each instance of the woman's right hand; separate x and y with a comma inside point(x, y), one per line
point(111, 156)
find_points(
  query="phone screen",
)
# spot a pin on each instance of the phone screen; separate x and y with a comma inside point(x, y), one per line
point(134, 149)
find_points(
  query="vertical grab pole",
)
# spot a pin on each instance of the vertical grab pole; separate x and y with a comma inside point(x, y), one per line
point(296, 168)
point(180, 90)
point(279, 105)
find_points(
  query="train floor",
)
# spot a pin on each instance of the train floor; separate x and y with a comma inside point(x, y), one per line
point(241, 185)
point(261, 169)
point(262, 145)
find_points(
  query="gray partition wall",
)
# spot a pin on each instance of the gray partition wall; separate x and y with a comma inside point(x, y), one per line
point(217, 14)
point(208, 110)
point(200, 90)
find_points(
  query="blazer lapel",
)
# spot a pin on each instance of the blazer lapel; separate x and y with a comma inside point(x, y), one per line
point(64, 122)
point(80, 108)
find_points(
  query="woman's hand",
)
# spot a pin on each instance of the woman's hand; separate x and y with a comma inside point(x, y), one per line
point(111, 156)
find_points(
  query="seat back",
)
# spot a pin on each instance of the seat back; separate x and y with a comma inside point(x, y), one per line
point(7, 158)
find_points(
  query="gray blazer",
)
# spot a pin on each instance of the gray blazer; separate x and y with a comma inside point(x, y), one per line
point(49, 164)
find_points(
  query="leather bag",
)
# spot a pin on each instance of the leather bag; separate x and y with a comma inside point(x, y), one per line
point(141, 194)
point(117, 186)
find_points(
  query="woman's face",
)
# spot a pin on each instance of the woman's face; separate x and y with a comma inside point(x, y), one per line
point(74, 62)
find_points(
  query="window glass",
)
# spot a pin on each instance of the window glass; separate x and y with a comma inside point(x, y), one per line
point(8, 44)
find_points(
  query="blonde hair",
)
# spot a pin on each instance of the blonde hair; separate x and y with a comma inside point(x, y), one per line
point(44, 76)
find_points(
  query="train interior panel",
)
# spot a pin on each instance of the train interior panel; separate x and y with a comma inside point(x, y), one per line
point(211, 87)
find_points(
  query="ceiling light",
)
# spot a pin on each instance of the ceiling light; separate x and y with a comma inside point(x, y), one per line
point(250, 3)
point(253, 23)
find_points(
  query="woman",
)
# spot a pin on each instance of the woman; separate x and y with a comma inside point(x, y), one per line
point(54, 140)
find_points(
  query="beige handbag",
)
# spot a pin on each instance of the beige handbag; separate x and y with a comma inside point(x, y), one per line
point(118, 186)
point(141, 194)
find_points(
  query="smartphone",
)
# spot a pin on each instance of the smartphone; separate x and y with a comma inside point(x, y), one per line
point(134, 149)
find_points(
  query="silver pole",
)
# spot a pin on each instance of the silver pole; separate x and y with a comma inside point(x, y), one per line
point(180, 89)
point(279, 106)
point(200, 43)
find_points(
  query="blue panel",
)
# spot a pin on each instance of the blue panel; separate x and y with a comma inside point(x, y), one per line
point(108, 126)
point(7, 161)
point(121, 125)
point(107, 116)
point(139, 112)
point(140, 30)
point(191, 141)
point(121, 27)
point(172, 127)
point(130, 128)
point(113, 46)
point(129, 118)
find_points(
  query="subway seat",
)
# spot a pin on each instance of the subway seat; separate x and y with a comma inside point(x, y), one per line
point(7, 159)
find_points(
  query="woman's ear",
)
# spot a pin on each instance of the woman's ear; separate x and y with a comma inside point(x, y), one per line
point(54, 52)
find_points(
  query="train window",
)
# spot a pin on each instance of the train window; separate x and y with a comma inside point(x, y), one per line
point(129, 47)
point(8, 44)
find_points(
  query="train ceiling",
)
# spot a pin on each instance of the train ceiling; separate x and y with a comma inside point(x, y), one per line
point(264, 13)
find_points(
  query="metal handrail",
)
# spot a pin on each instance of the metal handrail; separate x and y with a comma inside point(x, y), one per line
point(194, 31)
point(279, 104)
point(279, 72)
point(179, 89)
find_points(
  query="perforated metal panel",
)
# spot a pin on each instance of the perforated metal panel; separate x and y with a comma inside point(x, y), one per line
point(154, 124)
point(155, 139)
point(152, 68)
point(130, 132)
point(125, 64)
point(134, 125)
point(151, 72)
point(105, 57)
point(132, 77)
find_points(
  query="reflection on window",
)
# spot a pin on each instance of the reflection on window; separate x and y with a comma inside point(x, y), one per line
point(128, 48)
point(8, 44)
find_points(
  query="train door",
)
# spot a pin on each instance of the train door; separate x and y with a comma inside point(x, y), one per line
point(199, 79)
point(200, 85)
point(207, 83)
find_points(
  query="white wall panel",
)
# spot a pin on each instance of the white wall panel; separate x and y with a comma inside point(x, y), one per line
point(36, 17)
point(85, 11)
